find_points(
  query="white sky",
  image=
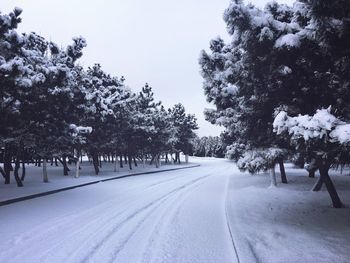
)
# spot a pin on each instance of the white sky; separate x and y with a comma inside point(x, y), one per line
point(154, 41)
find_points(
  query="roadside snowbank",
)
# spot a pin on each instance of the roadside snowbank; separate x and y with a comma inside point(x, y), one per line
point(288, 223)
point(33, 183)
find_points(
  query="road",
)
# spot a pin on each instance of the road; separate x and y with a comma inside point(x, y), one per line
point(176, 216)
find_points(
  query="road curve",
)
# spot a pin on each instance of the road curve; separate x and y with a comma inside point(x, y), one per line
point(177, 216)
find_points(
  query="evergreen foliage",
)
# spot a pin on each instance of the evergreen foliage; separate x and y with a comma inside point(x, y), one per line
point(280, 58)
point(53, 108)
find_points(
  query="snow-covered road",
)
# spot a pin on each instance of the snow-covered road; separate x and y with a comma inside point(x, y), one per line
point(176, 216)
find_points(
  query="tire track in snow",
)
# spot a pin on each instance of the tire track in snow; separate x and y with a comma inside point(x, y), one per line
point(53, 227)
point(154, 205)
point(168, 218)
point(169, 205)
point(164, 219)
point(107, 220)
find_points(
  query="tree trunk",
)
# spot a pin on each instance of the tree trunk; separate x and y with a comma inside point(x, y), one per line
point(23, 171)
point(15, 173)
point(7, 164)
point(95, 162)
point(115, 161)
point(143, 161)
point(125, 158)
point(121, 161)
point(273, 176)
point(77, 165)
point(152, 159)
point(17, 166)
point(156, 160)
point(45, 178)
point(65, 167)
point(330, 186)
point(130, 161)
point(115, 169)
point(282, 171)
point(312, 168)
point(172, 159)
point(186, 158)
point(318, 185)
point(135, 162)
point(312, 173)
point(177, 157)
point(2, 172)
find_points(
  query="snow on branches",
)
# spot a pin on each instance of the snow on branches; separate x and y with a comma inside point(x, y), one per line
point(257, 160)
point(50, 105)
point(322, 125)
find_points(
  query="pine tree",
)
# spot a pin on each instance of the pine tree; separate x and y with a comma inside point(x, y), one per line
point(184, 126)
point(281, 58)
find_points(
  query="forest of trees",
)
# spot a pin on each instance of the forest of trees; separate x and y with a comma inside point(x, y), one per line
point(283, 61)
point(53, 108)
point(209, 146)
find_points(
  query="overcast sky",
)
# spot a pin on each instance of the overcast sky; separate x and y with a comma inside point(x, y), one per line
point(154, 41)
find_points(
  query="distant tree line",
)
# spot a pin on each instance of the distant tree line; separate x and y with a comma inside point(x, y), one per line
point(53, 108)
point(283, 62)
point(209, 146)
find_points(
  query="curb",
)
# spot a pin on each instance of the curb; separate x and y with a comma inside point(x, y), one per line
point(28, 197)
point(228, 222)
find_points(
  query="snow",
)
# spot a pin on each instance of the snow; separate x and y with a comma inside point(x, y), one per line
point(288, 40)
point(341, 133)
point(80, 129)
point(265, 33)
point(203, 214)
point(320, 125)
point(258, 159)
point(24, 82)
point(229, 90)
point(38, 78)
point(288, 223)
point(33, 182)
point(172, 217)
point(285, 70)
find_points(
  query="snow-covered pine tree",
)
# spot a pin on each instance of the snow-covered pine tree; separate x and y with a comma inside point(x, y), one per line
point(212, 146)
point(158, 139)
point(238, 77)
point(12, 68)
point(184, 125)
point(323, 138)
point(41, 88)
point(144, 123)
point(47, 99)
point(105, 96)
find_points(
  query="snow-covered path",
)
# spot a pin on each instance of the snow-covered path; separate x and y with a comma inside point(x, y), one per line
point(176, 216)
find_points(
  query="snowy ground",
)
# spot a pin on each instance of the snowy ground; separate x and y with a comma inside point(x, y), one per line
point(181, 216)
point(289, 223)
point(33, 182)
point(167, 217)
